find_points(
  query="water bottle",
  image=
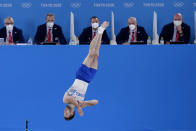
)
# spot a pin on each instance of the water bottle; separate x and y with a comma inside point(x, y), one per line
point(30, 41)
point(149, 40)
point(195, 41)
point(162, 40)
point(1, 40)
point(72, 42)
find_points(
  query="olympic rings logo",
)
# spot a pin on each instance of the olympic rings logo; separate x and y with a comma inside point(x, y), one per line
point(75, 5)
point(178, 4)
point(129, 5)
point(26, 5)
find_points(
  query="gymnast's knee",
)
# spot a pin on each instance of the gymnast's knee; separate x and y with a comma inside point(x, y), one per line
point(94, 55)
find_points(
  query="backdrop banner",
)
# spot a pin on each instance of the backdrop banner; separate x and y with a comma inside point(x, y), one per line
point(28, 14)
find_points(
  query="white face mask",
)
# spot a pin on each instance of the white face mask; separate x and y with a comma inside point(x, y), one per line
point(95, 25)
point(132, 27)
point(50, 24)
point(9, 27)
point(177, 22)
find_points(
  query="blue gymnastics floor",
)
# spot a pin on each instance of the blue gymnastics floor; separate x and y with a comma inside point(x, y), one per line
point(139, 88)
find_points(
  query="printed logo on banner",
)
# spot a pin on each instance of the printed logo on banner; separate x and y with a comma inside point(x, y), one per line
point(6, 5)
point(129, 5)
point(26, 5)
point(154, 4)
point(178, 4)
point(75, 5)
point(106, 5)
point(51, 5)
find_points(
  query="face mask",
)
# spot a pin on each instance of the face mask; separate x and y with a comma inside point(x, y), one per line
point(132, 26)
point(177, 22)
point(9, 27)
point(95, 25)
point(50, 24)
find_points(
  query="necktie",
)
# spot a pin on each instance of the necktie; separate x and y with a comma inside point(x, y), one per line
point(94, 34)
point(10, 37)
point(132, 37)
point(49, 35)
point(177, 36)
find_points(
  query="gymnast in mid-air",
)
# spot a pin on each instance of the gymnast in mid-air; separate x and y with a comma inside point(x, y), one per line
point(74, 96)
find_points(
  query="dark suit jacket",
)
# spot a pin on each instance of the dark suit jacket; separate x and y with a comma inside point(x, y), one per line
point(56, 31)
point(168, 31)
point(16, 34)
point(123, 36)
point(86, 36)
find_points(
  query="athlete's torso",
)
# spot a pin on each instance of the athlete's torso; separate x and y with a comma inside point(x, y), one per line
point(78, 90)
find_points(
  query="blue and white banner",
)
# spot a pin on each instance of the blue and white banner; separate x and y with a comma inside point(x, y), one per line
point(28, 14)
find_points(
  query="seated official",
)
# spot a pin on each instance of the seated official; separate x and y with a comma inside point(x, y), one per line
point(49, 32)
point(132, 34)
point(90, 32)
point(177, 31)
point(10, 33)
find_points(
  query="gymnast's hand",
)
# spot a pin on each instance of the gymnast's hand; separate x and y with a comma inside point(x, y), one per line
point(79, 109)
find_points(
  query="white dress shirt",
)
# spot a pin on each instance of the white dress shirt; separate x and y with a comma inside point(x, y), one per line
point(46, 39)
point(130, 35)
point(7, 39)
point(174, 35)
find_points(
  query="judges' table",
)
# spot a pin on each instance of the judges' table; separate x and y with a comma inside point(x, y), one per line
point(138, 87)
